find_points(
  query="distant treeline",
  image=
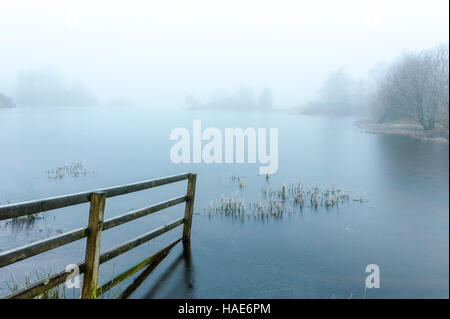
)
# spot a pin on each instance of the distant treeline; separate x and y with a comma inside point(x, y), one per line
point(47, 87)
point(340, 95)
point(241, 100)
point(415, 87)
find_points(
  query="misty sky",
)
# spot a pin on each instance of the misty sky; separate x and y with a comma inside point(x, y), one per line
point(157, 52)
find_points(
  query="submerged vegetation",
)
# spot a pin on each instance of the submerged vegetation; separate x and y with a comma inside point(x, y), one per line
point(278, 200)
point(12, 285)
point(27, 220)
point(75, 169)
point(237, 179)
point(57, 292)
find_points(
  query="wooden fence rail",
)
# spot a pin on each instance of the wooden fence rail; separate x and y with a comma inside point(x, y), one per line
point(97, 224)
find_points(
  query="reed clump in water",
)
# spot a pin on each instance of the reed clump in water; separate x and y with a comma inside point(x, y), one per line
point(231, 205)
point(299, 196)
point(75, 169)
point(236, 178)
point(27, 220)
point(280, 199)
point(58, 292)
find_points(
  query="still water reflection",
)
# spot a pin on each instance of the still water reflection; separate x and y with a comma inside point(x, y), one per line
point(402, 225)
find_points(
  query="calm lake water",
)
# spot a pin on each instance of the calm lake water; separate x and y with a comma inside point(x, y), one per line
point(403, 225)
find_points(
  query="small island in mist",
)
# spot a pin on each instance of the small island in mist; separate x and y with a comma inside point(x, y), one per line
point(47, 87)
point(243, 99)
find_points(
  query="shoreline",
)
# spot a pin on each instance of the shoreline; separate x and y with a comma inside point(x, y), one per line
point(400, 127)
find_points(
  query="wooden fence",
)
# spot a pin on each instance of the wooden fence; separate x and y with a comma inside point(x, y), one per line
point(96, 224)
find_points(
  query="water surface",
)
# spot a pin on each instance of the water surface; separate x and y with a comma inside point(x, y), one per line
point(403, 226)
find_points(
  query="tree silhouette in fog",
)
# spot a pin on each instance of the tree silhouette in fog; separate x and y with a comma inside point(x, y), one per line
point(47, 87)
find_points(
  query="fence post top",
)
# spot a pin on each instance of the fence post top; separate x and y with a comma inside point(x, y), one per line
point(100, 192)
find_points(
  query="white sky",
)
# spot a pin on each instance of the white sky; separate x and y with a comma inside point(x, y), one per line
point(160, 51)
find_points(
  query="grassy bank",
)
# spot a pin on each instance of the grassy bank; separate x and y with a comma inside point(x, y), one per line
point(404, 127)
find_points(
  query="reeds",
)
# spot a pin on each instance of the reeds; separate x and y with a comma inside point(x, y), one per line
point(231, 205)
point(298, 195)
point(236, 178)
point(58, 292)
point(75, 169)
point(278, 200)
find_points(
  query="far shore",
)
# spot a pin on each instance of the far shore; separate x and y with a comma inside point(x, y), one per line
point(402, 127)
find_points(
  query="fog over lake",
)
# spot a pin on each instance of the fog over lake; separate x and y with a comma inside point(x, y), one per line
point(96, 94)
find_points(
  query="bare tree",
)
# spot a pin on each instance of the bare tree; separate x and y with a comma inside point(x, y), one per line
point(337, 89)
point(442, 60)
point(416, 87)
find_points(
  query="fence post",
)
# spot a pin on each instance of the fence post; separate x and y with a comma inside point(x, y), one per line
point(189, 209)
point(92, 256)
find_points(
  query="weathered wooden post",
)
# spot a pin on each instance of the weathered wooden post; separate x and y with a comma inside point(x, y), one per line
point(92, 256)
point(189, 209)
